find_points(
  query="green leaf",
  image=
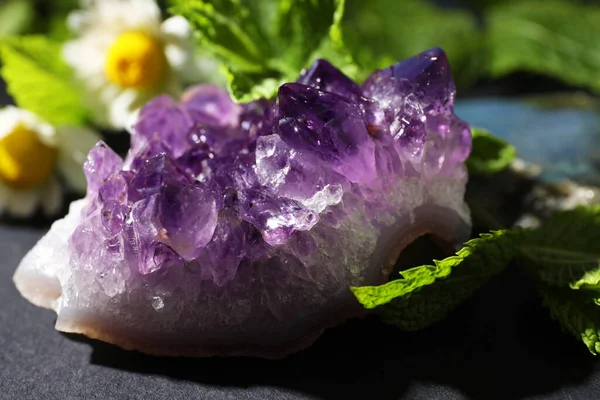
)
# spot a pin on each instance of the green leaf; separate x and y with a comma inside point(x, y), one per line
point(15, 17)
point(490, 154)
point(265, 43)
point(227, 29)
point(576, 313)
point(339, 56)
point(380, 33)
point(564, 251)
point(246, 87)
point(52, 17)
point(426, 294)
point(39, 81)
point(302, 27)
point(550, 37)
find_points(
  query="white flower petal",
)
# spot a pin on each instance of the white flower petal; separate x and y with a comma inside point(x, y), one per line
point(99, 100)
point(75, 143)
point(177, 27)
point(52, 197)
point(177, 56)
point(72, 173)
point(23, 203)
point(11, 116)
point(98, 24)
point(117, 15)
point(86, 55)
point(120, 111)
point(77, 21)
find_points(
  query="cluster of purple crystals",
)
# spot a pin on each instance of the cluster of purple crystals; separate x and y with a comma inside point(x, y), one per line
point(210, 186)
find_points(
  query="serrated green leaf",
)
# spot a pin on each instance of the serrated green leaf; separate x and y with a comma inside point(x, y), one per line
point(246, 87)
point(564, 251)
point(265, 43)
point(550, 37)
point(39, 81)
point(267, 10)
point(490, 154)
point(303, 25)
point(576, 313)
point(15, 17)
point(426, 294)
point(228, 29)
point(339, 56)
point(380, 33)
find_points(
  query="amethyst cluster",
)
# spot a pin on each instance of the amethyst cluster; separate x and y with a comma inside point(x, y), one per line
point(237, 229)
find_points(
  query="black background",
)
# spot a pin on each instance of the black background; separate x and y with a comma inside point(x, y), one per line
point(501, 344)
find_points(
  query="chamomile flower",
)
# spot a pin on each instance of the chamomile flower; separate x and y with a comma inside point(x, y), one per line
point(32, 154)
point(124, 54)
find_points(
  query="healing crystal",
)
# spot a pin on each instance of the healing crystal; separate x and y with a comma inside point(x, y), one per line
point(237, 229)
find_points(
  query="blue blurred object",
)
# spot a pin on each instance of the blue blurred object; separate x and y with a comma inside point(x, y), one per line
point(565, 141)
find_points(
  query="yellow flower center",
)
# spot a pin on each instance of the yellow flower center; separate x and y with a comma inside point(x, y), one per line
point(135, 60)
point(25, 162)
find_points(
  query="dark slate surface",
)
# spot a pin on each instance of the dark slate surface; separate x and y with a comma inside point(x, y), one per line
point(501, 344)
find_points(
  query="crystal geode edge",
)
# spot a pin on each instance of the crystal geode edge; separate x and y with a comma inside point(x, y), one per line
point(237, 229)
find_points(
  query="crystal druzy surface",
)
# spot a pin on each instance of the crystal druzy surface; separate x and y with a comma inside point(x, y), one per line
point(237, 229)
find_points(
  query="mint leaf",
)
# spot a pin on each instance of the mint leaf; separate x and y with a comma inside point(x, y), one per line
point(550, 37)
point(227, 29)
point(302, 27)
point(16, 17)
point(39, 81)
point(426, 294)
point(338, 55)
point(562, 256)
point(576, 313)
point(564, 251)
point(263, 44)
point(490, 154)
point(246, 87)
point(382, 32)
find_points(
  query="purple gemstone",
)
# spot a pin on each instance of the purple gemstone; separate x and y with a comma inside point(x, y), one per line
point(114, 189)
point(113, 215)
point(324, 76)
point(211, 105)
point(274, 167)
point(427, 74)
point(276, 218)
point(225, 251)
point(142, 234)
point(100, 164)
point(164, 118)
point(299, 176)
point(247, 223)
point(192, 161)
point(187, 216)
point(328, 125)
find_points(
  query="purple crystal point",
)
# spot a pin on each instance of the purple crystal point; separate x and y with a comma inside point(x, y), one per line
point(163, 117)
point(276, 218)
point(222, 255)
point(324, 76)
point(184, 213)
point(328, 125)
point(100, 164)
point(211, 105)
point(238, 229)
point(188, 217)
point(296, 175)
point(427, 75)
